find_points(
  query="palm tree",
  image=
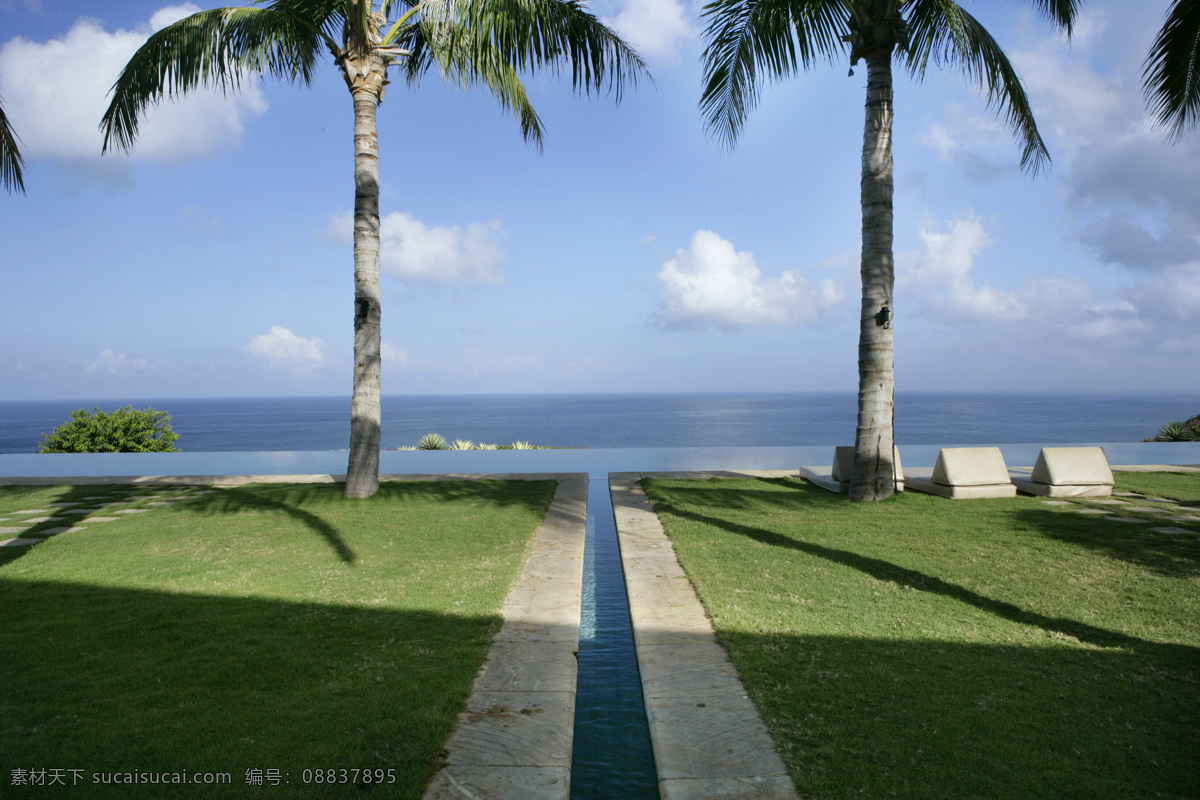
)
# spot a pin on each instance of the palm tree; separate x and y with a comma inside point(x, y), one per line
point(747, 40)
point(1171, 73)
point(471, 42)
point(10, 157)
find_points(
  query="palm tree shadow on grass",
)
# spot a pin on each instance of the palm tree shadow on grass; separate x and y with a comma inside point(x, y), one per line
point(914, 579)
point(290, 500)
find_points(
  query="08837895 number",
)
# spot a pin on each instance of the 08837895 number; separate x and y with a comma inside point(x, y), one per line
point(348, 776)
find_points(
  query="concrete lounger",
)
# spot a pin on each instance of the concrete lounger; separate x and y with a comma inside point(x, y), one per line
point(963, 473)
point(1066, 472)
point(837, 477)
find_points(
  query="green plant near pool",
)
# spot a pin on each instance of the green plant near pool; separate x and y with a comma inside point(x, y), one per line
point(260, 627)
point(926, 648)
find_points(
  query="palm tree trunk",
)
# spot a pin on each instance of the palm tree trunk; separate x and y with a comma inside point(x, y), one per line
point(362, 474)
point(873, 476)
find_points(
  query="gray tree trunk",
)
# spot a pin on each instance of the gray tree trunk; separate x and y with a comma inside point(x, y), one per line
point(873, 476)
point(366, 77)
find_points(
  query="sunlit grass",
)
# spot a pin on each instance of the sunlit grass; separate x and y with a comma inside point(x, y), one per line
point(260, 627)
point(929, 648)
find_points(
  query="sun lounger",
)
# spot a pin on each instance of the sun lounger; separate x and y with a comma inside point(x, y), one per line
point(963, 473)
point(1066, 472)
point(837, 477)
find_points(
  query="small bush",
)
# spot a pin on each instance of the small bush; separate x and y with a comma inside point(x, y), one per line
point(125, 430)
point(433, 441)
point(1179, 431)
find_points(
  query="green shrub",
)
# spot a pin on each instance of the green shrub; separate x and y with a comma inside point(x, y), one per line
point(433, 441)
point(1179, 431)
point(125, 430)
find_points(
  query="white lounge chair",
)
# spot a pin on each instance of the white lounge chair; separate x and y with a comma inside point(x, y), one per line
point(1066, 472)
point(836, 478)
point(963, 473)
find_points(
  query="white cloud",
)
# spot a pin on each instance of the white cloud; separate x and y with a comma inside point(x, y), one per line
point(442, 254)
point(655, 28)
point(479, 362)
point(55, 93)
point(280, 348)
point(943, 274)
point(712, 285)
point(110, 363)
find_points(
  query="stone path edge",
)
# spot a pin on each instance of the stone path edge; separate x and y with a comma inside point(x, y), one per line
point(514, 741)
point(708, 739)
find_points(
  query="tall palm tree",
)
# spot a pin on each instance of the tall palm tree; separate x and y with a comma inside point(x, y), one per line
point(749, 40)
point(471, 42)
point(10, 157)
point(1171, 74)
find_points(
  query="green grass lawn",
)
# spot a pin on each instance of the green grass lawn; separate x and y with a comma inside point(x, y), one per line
point(264, 627)
point(927, 648)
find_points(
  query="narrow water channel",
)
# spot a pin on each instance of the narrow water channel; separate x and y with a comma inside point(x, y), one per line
point(612, 757)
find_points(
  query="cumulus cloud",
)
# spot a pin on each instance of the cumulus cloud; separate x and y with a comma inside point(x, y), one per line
point(656, 28)
point(441, 254)
point(55, 92)
point(710, 284)
point(110, 363)
point(280, 348)
point(943, 274)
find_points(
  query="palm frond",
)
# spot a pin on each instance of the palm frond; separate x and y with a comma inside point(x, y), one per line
point(749, 41)
point(216, 48)
point(1061, 12)
point(942, 31)
point(491, 43)
point(1171, 73)
point(10, 156)
point(532, 35)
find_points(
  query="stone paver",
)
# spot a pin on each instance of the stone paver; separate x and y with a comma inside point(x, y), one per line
point(1182, 518)
point(709, 741)
point(1108, 501)
point(1092, 511)
point(1057, 503)
point(1146, 509)
point(515, 739)
point(1176, 531)
point(132, 511)
point(37, 520)
point(13, 530)
point(56, 531)
point(100, 519)
point(31, 511)
point(1139, 520)
point(19, 542)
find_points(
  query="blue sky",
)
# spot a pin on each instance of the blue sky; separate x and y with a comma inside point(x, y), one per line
point(634, 254)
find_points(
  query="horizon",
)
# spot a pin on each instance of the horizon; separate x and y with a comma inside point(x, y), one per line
point(633, 256)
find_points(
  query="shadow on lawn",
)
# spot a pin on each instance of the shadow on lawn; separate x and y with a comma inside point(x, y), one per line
point(885, 570)
point(925, 719)
point(101, 679)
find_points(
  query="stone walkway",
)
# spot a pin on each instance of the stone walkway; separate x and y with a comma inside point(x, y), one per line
point(28, 521)
point(709, 741)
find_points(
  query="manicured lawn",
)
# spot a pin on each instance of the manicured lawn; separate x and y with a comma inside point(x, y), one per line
point(927, 648)
point(267, 627)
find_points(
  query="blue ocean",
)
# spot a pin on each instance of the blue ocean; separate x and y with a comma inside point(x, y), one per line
point(627, 420)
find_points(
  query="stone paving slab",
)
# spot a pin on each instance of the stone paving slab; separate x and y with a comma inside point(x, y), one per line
point(515, 739)
point(1177, 531)
point(100, 519)
point(55, 531)
point(18, 542)
point(499, 783)
point(1139, 520)
point(13, 530)
point(708, 739)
